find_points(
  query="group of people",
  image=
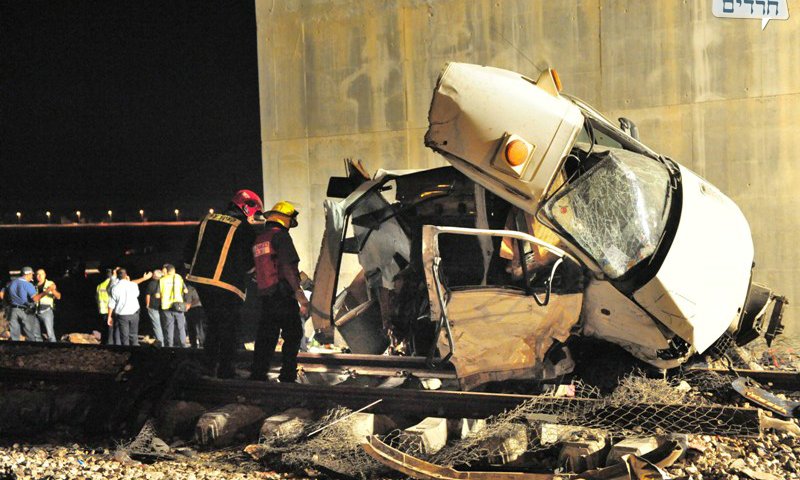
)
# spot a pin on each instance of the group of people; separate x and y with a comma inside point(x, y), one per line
point(222, 256)
point(29, 306)
point(172, 306)
point(226, 252)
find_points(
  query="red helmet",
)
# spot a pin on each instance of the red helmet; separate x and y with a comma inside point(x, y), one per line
point(248, 202)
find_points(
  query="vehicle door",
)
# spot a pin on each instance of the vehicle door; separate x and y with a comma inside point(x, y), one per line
point(504, 329)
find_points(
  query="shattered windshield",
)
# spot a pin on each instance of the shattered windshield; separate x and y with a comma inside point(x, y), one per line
point(616, 211)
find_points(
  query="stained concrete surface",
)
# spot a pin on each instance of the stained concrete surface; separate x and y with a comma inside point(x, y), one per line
point(354, 78)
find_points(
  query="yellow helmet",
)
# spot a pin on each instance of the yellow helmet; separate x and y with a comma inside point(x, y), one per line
point(284, 213)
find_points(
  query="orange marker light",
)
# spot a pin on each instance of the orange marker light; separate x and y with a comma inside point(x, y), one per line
point(556, 79)
point(516, 153)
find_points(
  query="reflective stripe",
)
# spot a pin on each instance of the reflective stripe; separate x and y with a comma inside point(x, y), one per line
point(199, 242)
point(223, 255)
point(225, 219)
point(216, 283)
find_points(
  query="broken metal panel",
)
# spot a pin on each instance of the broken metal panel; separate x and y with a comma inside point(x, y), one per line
point(378, 242)
point(529, 326)
point(752, 322)
point(370, 242)
point(701, 287)
point(609, 315)
point(327, 269)
point(501, 334)
point(420, 469)
point(476, 111)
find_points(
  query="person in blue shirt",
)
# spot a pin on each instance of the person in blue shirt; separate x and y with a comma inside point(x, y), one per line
point(22, 296)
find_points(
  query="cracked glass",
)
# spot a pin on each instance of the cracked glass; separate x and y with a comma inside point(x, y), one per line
point(616, 211)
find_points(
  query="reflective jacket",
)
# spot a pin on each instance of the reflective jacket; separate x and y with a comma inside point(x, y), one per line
point(265, 256)
point(219, 253)
point(170, 290)
point(102, 296)
point(47, 300)
point(276, 261)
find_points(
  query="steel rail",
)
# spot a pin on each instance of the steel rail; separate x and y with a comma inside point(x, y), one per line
point(359, 363)
point(649, 418)
point(779, 379)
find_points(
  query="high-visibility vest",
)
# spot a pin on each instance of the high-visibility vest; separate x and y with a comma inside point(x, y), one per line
point(222, 254)
point(171, 288)
point(102, 296)
point(47, 300)
point(265, 256)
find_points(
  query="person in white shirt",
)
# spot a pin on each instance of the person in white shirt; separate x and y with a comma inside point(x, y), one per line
point(123, 308)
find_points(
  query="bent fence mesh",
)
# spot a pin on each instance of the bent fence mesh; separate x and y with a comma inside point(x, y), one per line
point(638, 406)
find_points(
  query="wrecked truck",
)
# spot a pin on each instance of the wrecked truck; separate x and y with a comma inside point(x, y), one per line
point(551, 223)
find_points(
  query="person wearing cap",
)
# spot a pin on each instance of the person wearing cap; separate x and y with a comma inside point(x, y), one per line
point(282, 299)
point(220, 264)
point(153, 304)
point(22, 296)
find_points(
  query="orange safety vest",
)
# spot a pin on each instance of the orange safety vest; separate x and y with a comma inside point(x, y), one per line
point(265, 257)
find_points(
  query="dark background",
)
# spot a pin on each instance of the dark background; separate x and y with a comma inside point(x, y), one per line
point(120, 105)
point(126, 105)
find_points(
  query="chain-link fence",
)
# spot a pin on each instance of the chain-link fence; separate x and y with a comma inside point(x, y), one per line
point(639, 406)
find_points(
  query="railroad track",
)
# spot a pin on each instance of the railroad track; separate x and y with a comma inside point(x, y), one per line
point(150, 366)
point(345, 363)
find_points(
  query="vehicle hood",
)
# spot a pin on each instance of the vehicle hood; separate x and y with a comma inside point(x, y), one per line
point(701, 287)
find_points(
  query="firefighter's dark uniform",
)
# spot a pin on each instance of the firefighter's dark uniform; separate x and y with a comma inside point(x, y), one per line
point(221, 264)
point(278, 280)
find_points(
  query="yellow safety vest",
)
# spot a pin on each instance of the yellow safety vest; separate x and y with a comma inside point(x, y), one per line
point(48, 300)
point(102, 296)
point(171, 288)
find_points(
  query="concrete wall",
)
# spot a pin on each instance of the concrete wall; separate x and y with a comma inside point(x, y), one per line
point(353, 78)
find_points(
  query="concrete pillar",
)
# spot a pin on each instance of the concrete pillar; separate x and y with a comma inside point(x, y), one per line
point(178, 417)
point(221, 426)
point(286, 424)
point(366, 424)
point(428, 436)
point(460, 428)
point(631, 446)
point(582, 450)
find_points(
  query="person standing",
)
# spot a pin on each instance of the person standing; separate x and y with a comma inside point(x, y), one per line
point(153, 303)
point(45, 313)
point(171, 290)
point(195, 318)
point(282, 299)
point(102, 306)
point(123, 308)
point(220, 263)
point(22, 296)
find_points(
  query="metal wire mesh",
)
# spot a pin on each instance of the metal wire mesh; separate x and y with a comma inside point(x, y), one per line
point(336, 448)
point(638, 406)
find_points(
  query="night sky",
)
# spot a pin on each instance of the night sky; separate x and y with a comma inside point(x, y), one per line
point(125, 105)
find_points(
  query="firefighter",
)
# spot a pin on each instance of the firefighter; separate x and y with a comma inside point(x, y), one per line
point(220, 263)
point(282, 299)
